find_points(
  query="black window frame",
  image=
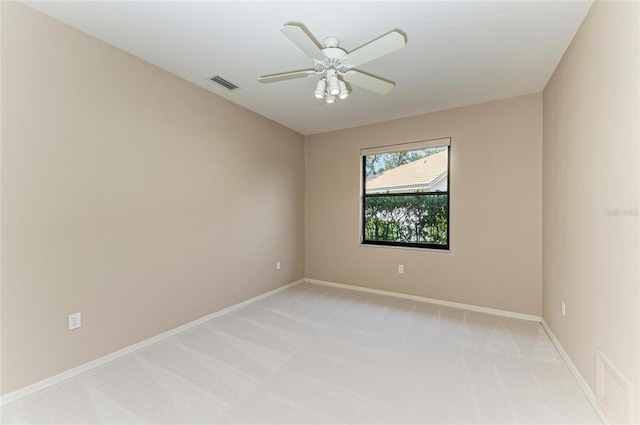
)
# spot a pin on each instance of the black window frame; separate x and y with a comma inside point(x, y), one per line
point(364, 196)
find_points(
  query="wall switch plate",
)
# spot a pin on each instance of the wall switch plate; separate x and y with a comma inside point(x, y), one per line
point(278, 265)
point(400, 268)
point(564, 309)
point(74, 321)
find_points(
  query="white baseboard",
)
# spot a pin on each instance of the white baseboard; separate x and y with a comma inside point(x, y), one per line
point(61, 377)
point(470, 307)
point(586, 389)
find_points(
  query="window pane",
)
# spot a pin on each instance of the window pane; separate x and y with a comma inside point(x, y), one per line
point(422, 170)
point(412, 219)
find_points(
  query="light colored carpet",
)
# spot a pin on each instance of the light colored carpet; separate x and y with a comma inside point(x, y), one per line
point(317, 354)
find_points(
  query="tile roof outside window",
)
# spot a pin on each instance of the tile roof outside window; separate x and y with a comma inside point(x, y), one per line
point(425, 174)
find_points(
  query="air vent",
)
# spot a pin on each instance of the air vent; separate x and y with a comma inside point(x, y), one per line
point(224, 83)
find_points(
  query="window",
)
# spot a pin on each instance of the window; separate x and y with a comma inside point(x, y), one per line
point(405, 195)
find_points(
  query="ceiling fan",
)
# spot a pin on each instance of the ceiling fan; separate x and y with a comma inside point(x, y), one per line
point(335, 64)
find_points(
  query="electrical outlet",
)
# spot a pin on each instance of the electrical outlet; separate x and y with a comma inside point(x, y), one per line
point(400, 268)
point(278, 265)
point(74, 321)
point(564, 309)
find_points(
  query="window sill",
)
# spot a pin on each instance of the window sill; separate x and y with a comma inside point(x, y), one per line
point(412, 248)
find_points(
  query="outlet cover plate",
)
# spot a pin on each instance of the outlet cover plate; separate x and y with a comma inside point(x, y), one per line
point(74, 321)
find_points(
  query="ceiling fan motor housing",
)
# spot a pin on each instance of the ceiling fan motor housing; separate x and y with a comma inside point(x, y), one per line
point(334, 59)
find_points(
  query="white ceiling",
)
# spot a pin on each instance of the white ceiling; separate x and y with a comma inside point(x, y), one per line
point(457, 53)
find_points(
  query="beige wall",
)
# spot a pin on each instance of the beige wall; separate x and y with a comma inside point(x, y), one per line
point(129, 195)
point(591, 165)
point(496, 211)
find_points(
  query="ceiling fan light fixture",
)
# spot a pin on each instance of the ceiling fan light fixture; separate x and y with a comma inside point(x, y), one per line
point(331, 98)
point(334, 87)
point(333, 82)
point(320, 88)
point(344, 93)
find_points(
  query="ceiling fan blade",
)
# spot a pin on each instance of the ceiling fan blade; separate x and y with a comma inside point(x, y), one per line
point(382, 46)
point(305, 42)
point(368, 82)
point(286, 76)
